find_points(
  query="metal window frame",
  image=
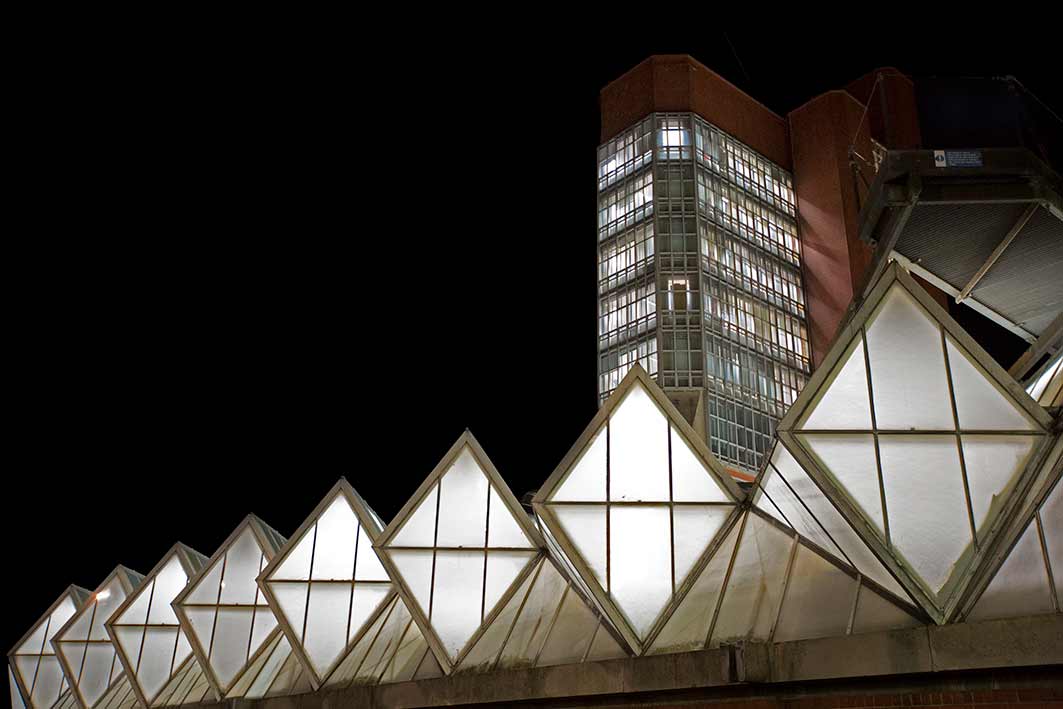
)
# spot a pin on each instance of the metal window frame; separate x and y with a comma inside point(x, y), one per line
point(77, 594)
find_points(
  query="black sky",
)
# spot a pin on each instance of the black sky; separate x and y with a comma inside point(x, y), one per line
point(254, 266)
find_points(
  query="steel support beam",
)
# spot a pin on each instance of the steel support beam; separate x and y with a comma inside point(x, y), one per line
point(997, 252)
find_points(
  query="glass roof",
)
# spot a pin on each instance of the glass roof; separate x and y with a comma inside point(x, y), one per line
point(33, 661)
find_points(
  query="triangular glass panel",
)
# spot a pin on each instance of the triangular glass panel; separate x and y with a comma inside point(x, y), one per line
point(326, 585)
point(225, 616)
point(636, 505)
point(458, 547)
point(844, 404)
point(1021, 586)
point(83, 647)
point(147, 635)
point(36, 667)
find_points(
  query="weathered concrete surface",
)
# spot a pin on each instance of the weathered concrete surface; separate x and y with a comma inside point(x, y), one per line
point(1021, 642)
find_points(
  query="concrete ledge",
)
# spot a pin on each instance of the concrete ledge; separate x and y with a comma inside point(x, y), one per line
point(1019, 642)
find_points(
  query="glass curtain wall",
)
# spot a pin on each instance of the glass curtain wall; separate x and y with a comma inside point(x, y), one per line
point(699, 276)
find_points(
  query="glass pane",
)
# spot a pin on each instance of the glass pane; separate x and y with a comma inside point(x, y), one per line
point(415, 567)
point(326, 624)
point(572, 632)
point(979, 403)
point(907, 366)
point(993, 463)
point(206, 589)
point(482, 656)
point(463, 505)
point(48, 683)
point(201, 621)
point(586, 480)
point(875, 613)
point(129, 641)
point(688, 626)
point(229, 651)
point(1020, 587)
point(819, 598)
point(529, 631)
point(850, 460)
point(503, 567)
point(754, 590)
point(265, 622)
point(419, 529)
point(694, 527)
point(155, 660)
point(843, 404)
point(409, 652)
point(604, 646)
point(337, 530)
point(242, 564)
point(789, 505)
point(291, 602)
point(457, 603)
point(585, 527)
point(364, 602)
point(296, 565)
point(169, 582)
point(95, 672)
point(848, 541)
point(691, 480)
point(503, 530)
point(926, 503)
point(16, 696)
point(638, 457)
point(639, 565)
point(369, 566)
point(137, 611)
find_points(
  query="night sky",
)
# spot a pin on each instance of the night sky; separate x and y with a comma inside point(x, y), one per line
point(255, 269)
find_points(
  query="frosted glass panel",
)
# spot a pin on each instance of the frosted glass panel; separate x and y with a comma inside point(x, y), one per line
point(129, 641)
point(105, 607)
point(503, 530)
point(993, 463)
point(691, 480)
point(155, 660)
point(291, 602)
point(529, 630)
point(979, 404)
point(926, 503)
point(572, 632)
point(369, 566)
point(415, 566)
point(844, 405)
point(265, 622)
point(206, 590)
point(797, 515)
point(229, 651)
point(202, 622)
point(16, 696)
point(36, 642)
point(48, 683)
point(638, 457)
point(169, 582)
point(1020, 587)
point(688, 626)
point(875, 613)
point(95, 674)
point(640, 570)
point(137, 611)
point(365, 600)
point(694, 528)
point(482, 656)
point(1052, 523)
point(337, 530)
point(850, 459)
point(420, 527)
point(243, 561)
point(296, 566)
point(458, 597)
point(819, 598)
point(586, 481)
point(585, 526)
point(754, 590)
point(183, 649)
point(326, 624)
point(907, 366)
point(463, 505)
point(854, 548)
point(503, 567)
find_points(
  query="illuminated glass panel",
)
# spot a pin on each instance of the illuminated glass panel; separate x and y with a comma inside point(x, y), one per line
point(152, 646)
point(459, 547)
point(326, 585)
point(37, 669)
point(88, 657)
